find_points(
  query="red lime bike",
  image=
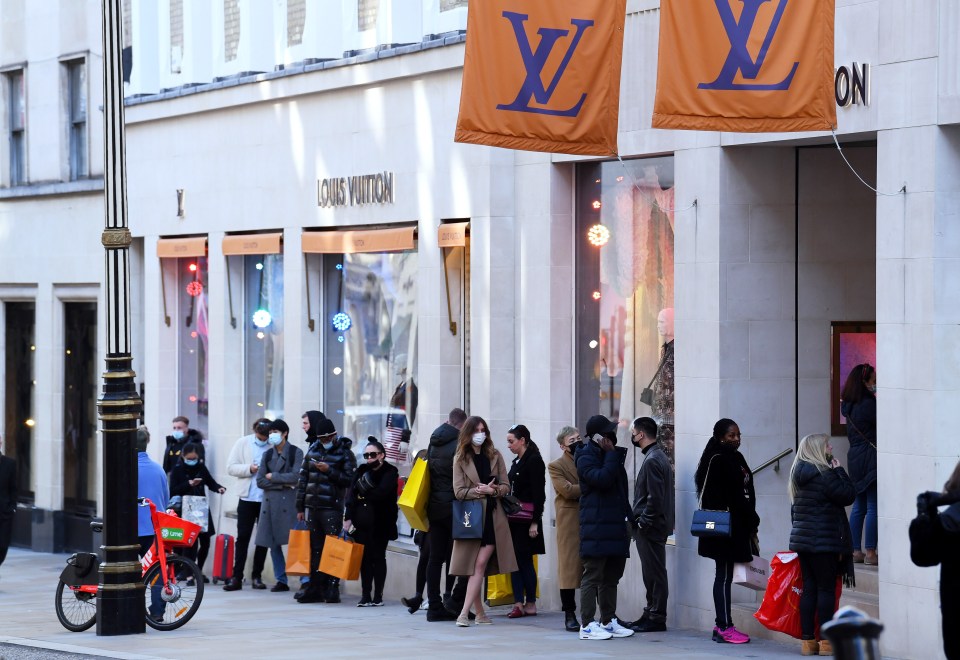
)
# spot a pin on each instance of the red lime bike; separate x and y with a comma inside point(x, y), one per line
point(173, 584)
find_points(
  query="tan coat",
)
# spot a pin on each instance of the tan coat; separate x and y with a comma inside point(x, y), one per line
point(566, 483)
point(464, 557)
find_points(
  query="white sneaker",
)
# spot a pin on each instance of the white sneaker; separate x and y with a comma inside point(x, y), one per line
point(595, 631)
point(616, 630)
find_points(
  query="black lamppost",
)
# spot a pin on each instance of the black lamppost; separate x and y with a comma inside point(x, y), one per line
point(120, 598)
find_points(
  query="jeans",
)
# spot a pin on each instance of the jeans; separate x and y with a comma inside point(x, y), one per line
point(721, 593)
point(247, 515)
point(599, 586)
point(653, 564)
point(864, 514)
point(524, 581)
point(819, 596)
point(157, 606)
point(279, 564)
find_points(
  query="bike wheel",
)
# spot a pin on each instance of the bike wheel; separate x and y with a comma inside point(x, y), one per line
point(170, 607)
point(77, 610)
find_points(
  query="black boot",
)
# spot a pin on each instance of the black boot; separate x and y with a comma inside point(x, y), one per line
point(440, 614)
point(570, 623)
point(233, 584)
point(412, 604)
point(331, 593)
point(313, 590)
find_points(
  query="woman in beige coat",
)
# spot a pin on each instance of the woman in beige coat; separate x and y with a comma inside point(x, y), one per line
point(479, 473)
point(566, 484)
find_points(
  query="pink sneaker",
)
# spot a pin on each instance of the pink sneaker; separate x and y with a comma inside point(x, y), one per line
point(729, 636)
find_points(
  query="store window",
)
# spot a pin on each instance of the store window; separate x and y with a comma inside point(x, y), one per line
point(263, 336)
point(624, 245)
point(194, 333)
point(77, 117)
point(370, 347)
point(20, 349)
point(80, 389)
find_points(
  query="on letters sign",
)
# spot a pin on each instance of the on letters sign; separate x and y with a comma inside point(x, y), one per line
point(543, 75)
point(745, 66)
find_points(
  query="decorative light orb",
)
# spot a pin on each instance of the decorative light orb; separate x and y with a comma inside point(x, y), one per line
point(339, 266)
point(192, 268)
point(193, 335)
point(598, 181)
point(32, 347)
point(260, 334)
point(259, 404)
point(30, 422)
point(337, 371)
point(194, 288)
point(340, 338)
point(262, 318)
point(598, 235)
point(341, 321)
point(593, 343)
point(193, 398)
point(259, 266)
point(596, 205)
point(596, 295)
point(619, 179)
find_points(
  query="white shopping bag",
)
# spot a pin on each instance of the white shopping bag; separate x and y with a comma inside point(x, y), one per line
point(196, 509)
point(753, 575)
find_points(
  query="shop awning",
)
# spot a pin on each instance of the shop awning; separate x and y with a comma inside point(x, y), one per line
point(191, 246)
point(453, 234)
point(252, 244)
point(350, 241)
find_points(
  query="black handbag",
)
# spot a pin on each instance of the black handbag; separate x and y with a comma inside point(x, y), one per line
point(467, 520)
point(510, 504)
point(708, 523)
point(646, 396)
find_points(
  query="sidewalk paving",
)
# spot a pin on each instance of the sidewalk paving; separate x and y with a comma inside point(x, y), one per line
point(261, 624)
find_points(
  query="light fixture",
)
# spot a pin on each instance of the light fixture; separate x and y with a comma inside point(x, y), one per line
point(192, 268)
point(194, 288)
point(262, 318)
point(341, 321)
point(193, 334)
point(193, 398)
point(337, 371)
point(32, 347)
point(259, 404)
point(598, 235)
point(259, 266)
point(340, 338)
point(30, 423)
point(593, 343)
point(260, 334)
point(339, 266)
point(619, 179)
point(596, 205)
point(596, 295)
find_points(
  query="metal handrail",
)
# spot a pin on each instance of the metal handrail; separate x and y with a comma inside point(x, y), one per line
point(775, 459)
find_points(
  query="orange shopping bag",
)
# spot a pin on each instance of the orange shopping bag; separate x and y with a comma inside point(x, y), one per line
point(298, 552)
point(341, 558)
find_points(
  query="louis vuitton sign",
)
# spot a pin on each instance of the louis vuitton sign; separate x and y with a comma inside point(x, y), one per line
point(355, 190)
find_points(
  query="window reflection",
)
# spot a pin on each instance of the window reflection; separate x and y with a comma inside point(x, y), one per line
point(194, 334)
point(625, 292)
point(263, 336)
point(20, 319)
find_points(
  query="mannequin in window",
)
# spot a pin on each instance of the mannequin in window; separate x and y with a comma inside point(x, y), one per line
point(663, 388)
point(403, 413)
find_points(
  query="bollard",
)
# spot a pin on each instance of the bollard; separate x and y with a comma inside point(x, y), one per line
point(854, 635)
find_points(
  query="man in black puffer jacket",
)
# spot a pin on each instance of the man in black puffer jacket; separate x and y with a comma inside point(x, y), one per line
point(443, 446)
point(604, 538)
point(326, 473)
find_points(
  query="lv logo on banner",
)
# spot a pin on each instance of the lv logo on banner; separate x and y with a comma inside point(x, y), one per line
point(739, 59)
point(534, 62)
point(543, 75)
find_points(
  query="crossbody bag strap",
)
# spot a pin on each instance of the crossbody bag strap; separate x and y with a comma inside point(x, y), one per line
point(860, 433)
point(656, 373)
point(705, 477)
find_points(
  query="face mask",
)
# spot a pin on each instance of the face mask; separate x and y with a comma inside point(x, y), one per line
point(177, 435)
point(191, 461)
point(872, 388)
point(275, 439)
point(478, 438)
point(260, 443)
point(328, 445)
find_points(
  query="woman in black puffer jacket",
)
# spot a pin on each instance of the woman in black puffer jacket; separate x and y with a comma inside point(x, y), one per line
point(819, 490)
point(372, 510)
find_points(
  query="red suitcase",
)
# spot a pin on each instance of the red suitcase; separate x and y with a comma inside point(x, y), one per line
point(223, 558)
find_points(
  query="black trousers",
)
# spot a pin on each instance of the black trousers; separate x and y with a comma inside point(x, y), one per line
point(568, 600)
point(321, 522)
point(440, 540)
point(721, 593)
point(819, 597)
point(6, 531)
point(247, 515)
point(373, 568)
point(653, 564)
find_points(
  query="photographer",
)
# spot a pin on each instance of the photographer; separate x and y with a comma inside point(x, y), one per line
point(935, 539)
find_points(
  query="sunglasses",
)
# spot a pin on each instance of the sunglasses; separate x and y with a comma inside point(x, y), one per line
point(371, 454)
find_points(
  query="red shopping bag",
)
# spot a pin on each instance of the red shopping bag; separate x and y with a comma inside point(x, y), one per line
point(780, 609)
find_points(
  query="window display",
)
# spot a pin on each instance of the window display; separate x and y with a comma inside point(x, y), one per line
point(20, 321)
point(624, 247)
point(194, 345)
point(263, 336)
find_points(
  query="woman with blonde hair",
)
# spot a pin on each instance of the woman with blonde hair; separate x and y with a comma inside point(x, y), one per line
point(479, 473)
point(819, 490)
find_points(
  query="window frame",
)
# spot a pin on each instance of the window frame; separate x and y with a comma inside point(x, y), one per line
point(16, 134)
point(76, 116)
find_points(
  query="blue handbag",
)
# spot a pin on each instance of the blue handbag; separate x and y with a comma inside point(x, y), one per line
point(706, 522)
point(467, 520)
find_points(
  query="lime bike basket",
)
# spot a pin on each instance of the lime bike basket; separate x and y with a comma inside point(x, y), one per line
point(175, 531)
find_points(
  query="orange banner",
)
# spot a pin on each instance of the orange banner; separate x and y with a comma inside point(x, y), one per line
point(543, 75)
point(746, 66)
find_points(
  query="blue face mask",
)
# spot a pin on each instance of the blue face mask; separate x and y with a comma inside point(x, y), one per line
point(260, 443)
point(177, 435)
point(327, 445)
point(191, 461)
point(275, 439)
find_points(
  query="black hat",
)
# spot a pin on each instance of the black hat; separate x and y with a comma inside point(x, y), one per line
point(598, 424)
point(324, 427)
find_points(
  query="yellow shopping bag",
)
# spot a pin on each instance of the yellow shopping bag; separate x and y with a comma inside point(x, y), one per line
point(500, 588)
point(416, 492)
point(298, 552)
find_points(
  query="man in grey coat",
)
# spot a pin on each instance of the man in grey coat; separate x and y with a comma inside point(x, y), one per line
point(653, 513)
